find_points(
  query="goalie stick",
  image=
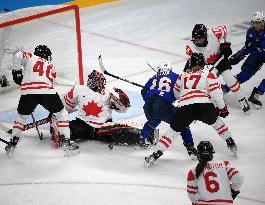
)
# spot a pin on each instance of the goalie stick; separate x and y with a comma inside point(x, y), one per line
point(4, 141)
point(34, 122)
point(115, 76)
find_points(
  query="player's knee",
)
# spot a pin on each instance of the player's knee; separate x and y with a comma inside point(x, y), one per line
point(243, 76)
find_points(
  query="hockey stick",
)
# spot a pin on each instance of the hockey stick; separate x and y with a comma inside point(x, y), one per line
point(115, 76)
point(151, 67)
point(216, 63)
point(34, 123)
point(27, 126)
point(4, 141)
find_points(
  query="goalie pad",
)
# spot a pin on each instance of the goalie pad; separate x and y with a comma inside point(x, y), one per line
point(17, 76)
point(119, 100)
point(124, 134)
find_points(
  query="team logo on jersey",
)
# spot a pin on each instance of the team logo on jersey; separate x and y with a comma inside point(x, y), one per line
point(92, 109)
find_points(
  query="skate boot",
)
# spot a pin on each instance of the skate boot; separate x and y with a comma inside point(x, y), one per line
point(152, 158)
point(10, 148)
point(70, 147)
point(151, 141)
point(244, 106)
point(231, 145)
point(154, 137)
point(192, 152)
point(254, 98)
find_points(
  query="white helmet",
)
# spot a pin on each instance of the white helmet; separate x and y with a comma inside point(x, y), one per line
point(164, 67)
point(258, 17)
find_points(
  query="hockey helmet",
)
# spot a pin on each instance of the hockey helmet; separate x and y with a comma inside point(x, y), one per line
point(96, 82)
point(164, 67)
point(199, 35)
point(205, 151)
point(196, 62)
point(43, 52)
point(258, 20)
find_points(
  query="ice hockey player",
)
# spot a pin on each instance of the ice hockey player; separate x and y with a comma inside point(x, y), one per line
point(255, 49)
point(203, 189)
point(159, 97)
point(198, 92)
point(95, 104)
point(209, 43)
point(37, 89)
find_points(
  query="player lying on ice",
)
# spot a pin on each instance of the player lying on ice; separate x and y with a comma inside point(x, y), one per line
point(94, 121)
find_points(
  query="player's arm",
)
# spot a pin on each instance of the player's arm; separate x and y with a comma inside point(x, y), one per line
point(177, 87)
point(236, 179)
point(70, 100)
point(192, 187)
point(119, 100)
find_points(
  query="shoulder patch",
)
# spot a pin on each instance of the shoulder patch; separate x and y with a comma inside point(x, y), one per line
point(188, 50)
point(190, 176)
point(211, 76)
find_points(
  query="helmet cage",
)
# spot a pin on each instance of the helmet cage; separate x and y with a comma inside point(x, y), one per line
point(96, 82)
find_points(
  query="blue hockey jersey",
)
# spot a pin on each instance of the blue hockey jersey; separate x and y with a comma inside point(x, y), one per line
point(160, 84)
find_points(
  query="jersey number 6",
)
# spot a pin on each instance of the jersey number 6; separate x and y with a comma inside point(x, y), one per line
point(211, 184)
point(38, 68)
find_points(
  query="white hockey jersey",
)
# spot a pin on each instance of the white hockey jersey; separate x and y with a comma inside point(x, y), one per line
point(38, 73)
point(212, 51)
point(213, 187)
point(94, 108)
point(200, 87)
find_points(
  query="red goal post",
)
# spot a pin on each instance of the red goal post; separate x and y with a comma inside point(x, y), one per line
point(57, 27)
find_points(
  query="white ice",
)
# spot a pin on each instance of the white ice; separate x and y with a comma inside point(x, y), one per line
point(128, 34)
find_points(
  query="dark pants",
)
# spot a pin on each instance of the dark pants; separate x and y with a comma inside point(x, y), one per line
point(185, 115)
point(158, 109)
point(51, 102)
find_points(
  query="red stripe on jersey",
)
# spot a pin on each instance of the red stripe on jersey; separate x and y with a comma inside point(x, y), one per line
point(195, 96)
point(38, 87)
point(236, 172)
point(194, 92)
point(217, 200)
point(191, 176)
point(164, 143)
point(192, 187)
point(226, 163)
point(70, 94)
point(213, 84)
point(215, 88)
point(167, 139)
point(230, 171)
point(191, 192)
point(223, 131)
point(18, 127)
point(96, 123)
point(69, 101)
point(235, 87)
point(33, 83)
point(222, 126)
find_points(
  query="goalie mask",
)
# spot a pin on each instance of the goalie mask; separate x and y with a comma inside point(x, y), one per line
point(43, 52)
point(96, 82)
point(199, 35)
point(205, 151)
point(164, 67)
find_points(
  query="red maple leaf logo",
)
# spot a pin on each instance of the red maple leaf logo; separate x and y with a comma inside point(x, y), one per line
point(212, 58)
point(92, 108)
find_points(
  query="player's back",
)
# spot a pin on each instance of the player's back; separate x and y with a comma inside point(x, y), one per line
point(214, 184)
point(161, 85)
point(193, 87)
point(38, 73)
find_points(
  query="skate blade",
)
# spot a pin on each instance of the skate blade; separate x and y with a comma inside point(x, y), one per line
point(69, 153)
point(193, 157)
point(235, 155)
point(258, 107)
point(10, 152)
point(149, 163)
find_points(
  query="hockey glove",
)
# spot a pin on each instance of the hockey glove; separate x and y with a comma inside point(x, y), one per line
point(225, 49)
point(3, 81)
point(234, 193)
point(236, 58)
point(17, 76)
point(122, 103)
point(223, 112)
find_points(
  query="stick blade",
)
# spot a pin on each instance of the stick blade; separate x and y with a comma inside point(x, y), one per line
point(101, 64)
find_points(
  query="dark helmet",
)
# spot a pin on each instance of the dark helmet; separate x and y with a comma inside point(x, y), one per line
point(96, 82)
point(205, 151)
point(43, 52)
point(199, 31)
point(197, 61)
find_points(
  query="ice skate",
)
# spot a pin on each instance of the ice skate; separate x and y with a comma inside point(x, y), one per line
point(10, 148)
point(254, 98)
point(192, 152)
point(231, 145)
point(244, 106)
point(152, 158)
point(70, 148)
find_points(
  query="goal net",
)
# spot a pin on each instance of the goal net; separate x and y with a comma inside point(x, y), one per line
point(57, 27)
